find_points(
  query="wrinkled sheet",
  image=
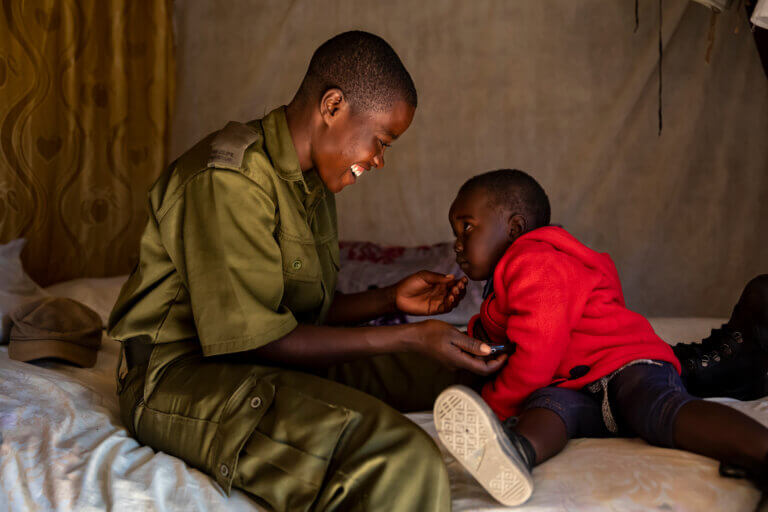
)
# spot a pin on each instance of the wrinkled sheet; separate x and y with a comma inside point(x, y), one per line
point(62, 448)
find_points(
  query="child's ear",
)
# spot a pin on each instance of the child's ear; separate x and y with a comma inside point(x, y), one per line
point(516, 226)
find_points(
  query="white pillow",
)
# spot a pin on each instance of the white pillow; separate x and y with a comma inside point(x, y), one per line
point(16, 287)
point(99, 293)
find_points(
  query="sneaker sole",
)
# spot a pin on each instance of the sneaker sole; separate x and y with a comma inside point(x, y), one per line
point(471, 432)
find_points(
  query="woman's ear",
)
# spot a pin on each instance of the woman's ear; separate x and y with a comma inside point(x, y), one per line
point(516, 226)
point(332, 104)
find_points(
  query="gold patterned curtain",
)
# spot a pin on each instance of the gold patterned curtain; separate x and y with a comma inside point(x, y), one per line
point(86, 88)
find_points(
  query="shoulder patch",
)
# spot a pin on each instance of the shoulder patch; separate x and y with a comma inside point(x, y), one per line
point(229, 145)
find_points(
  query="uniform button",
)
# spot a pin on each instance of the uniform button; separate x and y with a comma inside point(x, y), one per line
point(256, 402)
point(296, 264)
point(224, 470)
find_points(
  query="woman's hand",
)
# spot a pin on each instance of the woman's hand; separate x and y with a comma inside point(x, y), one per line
point(429, 293)
point(445, 343)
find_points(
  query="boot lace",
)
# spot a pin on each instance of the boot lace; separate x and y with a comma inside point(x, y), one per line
point(721, 343)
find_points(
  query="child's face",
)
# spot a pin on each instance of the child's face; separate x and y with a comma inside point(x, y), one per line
point(482, 233)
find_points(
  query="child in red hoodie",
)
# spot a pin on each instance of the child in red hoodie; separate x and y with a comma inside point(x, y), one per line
point(580, 363)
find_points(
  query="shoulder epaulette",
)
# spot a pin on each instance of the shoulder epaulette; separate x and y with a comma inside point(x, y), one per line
point(229, 145)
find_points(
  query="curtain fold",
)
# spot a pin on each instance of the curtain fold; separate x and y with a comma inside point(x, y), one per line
point(86, 88)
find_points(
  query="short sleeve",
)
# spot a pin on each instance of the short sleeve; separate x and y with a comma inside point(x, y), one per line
point(231, 263)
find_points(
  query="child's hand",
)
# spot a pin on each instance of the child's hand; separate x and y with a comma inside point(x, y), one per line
point(429, 293)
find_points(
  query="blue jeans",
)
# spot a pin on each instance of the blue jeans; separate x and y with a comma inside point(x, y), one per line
point(644, 400)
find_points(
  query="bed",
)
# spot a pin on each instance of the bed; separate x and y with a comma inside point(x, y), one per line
point(62, 446)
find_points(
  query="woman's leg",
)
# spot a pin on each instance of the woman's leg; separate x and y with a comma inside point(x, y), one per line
point(377, 459)
point(291, 440)
point(407, 382)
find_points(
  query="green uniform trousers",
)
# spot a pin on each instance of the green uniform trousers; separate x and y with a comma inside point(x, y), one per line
point(295, 440)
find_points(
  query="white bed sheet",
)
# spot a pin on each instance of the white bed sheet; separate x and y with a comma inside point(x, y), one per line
point(62, 448)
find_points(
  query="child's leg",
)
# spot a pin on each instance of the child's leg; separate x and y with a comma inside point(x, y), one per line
point(544, 430)
point(553, 415)
point(651, 401)
point(473, 434)
point(500, 457)
point(722, 433)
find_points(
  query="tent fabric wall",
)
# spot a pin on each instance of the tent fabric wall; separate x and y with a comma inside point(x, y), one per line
point(567, 91)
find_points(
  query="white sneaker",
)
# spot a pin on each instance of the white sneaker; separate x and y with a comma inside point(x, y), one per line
point(470, 430)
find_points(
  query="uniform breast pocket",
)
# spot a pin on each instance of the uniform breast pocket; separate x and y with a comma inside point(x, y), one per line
point(302, 276)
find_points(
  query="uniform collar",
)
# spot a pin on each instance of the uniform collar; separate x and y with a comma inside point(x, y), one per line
point(279, 146)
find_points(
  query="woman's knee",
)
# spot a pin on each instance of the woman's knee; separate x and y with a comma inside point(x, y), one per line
point(417, 444)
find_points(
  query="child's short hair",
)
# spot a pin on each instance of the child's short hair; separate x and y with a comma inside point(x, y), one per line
point(365, 68)
point(515, 191)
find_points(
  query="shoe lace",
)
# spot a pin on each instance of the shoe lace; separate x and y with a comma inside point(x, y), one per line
point(722, 342)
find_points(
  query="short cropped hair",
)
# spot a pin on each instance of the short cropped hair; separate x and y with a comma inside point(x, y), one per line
point(515, 191)
point(365, 68)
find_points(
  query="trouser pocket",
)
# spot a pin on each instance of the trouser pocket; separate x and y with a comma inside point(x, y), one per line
point(285, 460)
point(246, 426)
point(203, 412)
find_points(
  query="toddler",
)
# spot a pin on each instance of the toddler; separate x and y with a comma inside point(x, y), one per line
point(580, 363)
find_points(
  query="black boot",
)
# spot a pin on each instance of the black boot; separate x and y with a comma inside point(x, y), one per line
point(733, 360)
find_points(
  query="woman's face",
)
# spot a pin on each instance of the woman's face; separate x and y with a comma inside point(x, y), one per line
point(354, 142)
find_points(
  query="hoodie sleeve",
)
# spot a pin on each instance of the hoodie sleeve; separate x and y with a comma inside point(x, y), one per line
point(542, 292)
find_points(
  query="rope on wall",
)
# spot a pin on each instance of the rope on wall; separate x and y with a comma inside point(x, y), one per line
point(637, 17)
point(711, 35)
point(661, 53)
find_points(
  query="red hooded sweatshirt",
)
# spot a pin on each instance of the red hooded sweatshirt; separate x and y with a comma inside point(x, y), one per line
point(561, 303)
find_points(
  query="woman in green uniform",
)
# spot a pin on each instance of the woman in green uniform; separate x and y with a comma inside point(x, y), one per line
point(230, 325)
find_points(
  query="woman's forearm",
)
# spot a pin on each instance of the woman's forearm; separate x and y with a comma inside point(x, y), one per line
point(313, 346)
point(355, 308)
point(317, 346)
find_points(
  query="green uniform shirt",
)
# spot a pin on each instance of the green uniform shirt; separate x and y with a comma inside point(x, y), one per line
point(240, 247)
